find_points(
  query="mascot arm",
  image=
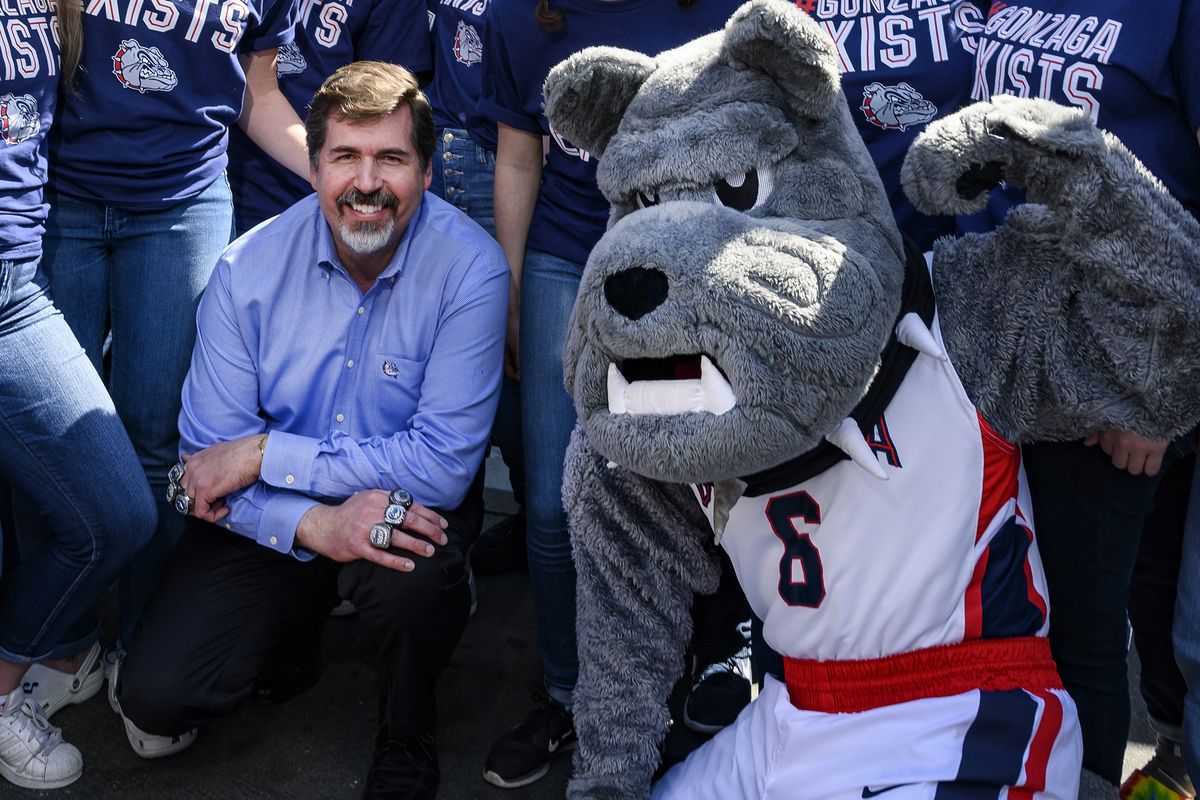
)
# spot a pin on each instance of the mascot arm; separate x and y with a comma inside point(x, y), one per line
point(1082, 311)
point(642, 549)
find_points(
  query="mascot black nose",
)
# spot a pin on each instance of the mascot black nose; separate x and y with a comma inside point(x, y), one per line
point(635, 292)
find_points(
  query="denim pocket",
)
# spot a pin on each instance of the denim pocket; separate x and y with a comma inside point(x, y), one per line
point(7, 272)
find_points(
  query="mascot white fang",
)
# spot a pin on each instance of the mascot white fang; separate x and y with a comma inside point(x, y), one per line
point(852, 444)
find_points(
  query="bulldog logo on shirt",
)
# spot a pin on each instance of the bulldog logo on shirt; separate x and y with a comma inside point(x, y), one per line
point(19, 118)
point(143, 69)
point(468, 47)
point(289, 60)
point(896, 107)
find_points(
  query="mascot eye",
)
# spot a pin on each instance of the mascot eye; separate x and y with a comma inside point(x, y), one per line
point(744, 192)
point(646, 200)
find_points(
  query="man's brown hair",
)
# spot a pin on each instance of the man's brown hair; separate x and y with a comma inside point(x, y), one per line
point(367, 90)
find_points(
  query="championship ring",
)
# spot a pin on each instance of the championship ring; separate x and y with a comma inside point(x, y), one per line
point(176, 473)
point(183, 503)
point(172, 491)
point(381, 536)
point(395, 514)
point(402, 498)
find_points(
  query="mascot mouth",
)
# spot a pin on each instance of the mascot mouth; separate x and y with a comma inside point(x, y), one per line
point(684, 384)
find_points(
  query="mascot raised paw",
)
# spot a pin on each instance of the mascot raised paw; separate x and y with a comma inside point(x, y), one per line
point(758, 363)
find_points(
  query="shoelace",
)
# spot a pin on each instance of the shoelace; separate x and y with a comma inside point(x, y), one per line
point(736, 664)
point(33, 727)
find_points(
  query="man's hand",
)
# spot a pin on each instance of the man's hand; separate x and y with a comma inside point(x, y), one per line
point(219, 470)
point(1129, 451)
point(343, 532)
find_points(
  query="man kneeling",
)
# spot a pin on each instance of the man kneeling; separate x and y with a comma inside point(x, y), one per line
point(342, 387)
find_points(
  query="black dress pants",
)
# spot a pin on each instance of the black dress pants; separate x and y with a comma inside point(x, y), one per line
point(225, 603)
point(1089, 517)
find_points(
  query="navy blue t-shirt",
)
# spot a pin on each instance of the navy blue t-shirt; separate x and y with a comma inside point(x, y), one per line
point(1133, 67)
point(904, 63)
point(329, 35)
point(571, 213)
point(29, 47)
point(158, 87)
point(459, 53)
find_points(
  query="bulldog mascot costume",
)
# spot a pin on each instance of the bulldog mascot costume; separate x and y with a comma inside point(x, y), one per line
point(759, 363)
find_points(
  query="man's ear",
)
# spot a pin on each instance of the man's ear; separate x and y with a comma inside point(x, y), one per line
point(785, 44)
point(586, 95)
point(312, 174)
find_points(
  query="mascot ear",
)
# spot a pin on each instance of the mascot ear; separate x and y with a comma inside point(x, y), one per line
point(586, 95)
point(785, 44)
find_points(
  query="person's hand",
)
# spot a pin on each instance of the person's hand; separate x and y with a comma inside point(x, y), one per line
point(219, 470)
point(1129, 451)
point(512, 341)
point(342, 532)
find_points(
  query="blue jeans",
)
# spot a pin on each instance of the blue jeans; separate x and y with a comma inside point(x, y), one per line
point(1187, 628)
point(138, 275)
point(463, 174)
point(63, 447)
point(548, 290)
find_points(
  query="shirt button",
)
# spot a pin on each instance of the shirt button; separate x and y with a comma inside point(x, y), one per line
point(340, 417)
point(361, 310)
point(228, 527)
point(350, 364)
point(447, 137)
point(289, 479)
point(273, 540)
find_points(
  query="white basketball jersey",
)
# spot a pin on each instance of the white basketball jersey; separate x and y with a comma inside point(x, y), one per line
point(844, 565)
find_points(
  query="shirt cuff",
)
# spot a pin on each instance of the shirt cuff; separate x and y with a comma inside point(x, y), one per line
point(288, 461)
point(280, 518)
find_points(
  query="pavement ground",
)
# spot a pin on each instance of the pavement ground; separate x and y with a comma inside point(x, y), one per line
point(319, 745)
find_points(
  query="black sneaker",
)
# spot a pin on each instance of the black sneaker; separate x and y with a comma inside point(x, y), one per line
point(501, 548)
point(719, 693)
point(404, 768)
point(524, 754)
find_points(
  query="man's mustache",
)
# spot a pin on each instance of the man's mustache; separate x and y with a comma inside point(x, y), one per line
point(380, 197)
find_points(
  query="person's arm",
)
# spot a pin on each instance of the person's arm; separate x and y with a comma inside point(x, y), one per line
point(220, 404)
point(515, 191)
point(268, 118)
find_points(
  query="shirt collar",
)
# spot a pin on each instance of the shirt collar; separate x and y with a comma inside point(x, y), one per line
point(327, 256)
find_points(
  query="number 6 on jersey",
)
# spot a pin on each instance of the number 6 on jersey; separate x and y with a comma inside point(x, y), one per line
point(809, 590)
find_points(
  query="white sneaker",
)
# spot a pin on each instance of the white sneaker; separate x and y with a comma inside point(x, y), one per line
point(32, 752)
point(146, 745)
point(54, 690)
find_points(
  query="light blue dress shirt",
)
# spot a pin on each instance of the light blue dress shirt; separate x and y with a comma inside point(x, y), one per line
point(394, 387)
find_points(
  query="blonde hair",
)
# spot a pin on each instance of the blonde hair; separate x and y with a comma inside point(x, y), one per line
point(69, 16)
point(367, 90)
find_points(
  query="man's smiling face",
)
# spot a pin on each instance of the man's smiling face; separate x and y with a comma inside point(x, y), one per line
point(369, 184)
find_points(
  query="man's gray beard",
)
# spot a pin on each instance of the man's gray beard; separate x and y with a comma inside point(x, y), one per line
point(366, 238)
